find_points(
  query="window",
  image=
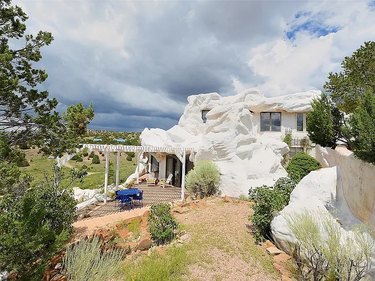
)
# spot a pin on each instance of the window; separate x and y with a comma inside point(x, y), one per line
point(270, 121)
point(300, 122)
point(204, 115)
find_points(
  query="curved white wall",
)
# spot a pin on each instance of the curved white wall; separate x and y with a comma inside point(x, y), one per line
point(355, 181)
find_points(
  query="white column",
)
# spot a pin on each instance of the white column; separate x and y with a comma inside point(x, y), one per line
point(183, 176)
point(117, 169)
point(106, 176)
point(149, 163)
point(137, 155)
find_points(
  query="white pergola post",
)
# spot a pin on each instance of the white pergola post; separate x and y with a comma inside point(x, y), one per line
point(149, 163)
point(137, 169)
point(117, 169)
point(106, 176)
point(183, 176)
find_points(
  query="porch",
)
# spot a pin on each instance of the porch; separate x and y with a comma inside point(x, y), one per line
point(151, 195)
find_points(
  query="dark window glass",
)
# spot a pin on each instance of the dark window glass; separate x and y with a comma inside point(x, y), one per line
point(276, 121)
point(204, 115)
point(270, 121)
point(265, 121)
point(299, 121)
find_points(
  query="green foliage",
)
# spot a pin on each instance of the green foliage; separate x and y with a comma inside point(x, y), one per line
point(322, 252)
point(78, 158)
point(131, 154)
point(204, 179)
point(268, 202)
point(161, 223)
point(305, 143)
point(170, 266)
point(92, 154)
point(10, 155)
point(349, 86)
point(34, 225)
point(95, 159)
point(288, 139)
point(129, 158)
point(78, 117)
point(85, 152)
point(324, 122)
point(300, 165)
point(363, 128)
point(86, 260)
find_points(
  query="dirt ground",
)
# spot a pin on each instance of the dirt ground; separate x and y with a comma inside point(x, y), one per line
point(223, 246)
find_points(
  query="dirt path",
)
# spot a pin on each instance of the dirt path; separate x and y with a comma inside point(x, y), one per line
point(221, 244)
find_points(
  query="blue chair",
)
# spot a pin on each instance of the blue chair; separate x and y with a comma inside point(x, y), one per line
point(139, 197)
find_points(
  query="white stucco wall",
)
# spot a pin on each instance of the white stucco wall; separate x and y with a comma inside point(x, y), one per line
point(355, 181)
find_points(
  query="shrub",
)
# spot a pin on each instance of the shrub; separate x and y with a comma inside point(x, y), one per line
point(95, 159)
point(268, 202)
point(300, 165)
point(363, 128)
point(129, 158)
point(79, 158)
point(161, 223)
point(204, 179)
point(34, 226)
point(86, 261)
point(288, 139)
point(92, 154)
point(131, 154)
point(322, 252)
point(85, 152)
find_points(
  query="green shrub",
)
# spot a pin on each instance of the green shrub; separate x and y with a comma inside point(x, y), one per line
point(95, 159)
point(203, 180)
point(288, 139)
point(268, 202)
point(129, 158)
point(322, 252)
point(86, 261)
point(300, 165)
point(363, 128)
point(92, 154)
point(161, 223)
point(131, 154)
point(85, 152)
point(79, 158)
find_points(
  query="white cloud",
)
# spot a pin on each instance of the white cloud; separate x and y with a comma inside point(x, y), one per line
point(304, 63)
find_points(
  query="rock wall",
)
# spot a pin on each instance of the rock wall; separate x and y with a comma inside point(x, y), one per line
point(355, 181)
point(230, 136)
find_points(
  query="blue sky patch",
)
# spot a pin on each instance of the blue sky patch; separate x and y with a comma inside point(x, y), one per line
point(313, 27)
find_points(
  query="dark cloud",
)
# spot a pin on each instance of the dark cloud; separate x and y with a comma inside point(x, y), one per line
point(138, 61)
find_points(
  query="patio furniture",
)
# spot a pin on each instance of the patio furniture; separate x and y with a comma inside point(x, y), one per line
point(126, 201)
point(166, 182)
point(130, 194)
point(151, 181)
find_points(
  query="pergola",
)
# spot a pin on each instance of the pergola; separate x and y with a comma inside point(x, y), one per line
point(180, 152)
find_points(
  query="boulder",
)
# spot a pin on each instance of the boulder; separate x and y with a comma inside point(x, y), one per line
point(314, 193)
point(144, 244)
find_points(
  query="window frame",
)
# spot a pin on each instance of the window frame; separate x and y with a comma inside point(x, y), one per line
point(303, 121)
point(270, 121)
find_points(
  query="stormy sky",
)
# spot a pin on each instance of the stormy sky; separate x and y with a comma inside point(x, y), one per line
point(138, 61)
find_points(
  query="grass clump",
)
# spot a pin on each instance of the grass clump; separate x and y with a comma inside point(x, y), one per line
point(161, 223)
point(86, 261)
point(300, 165)
point(170, 266)
point(203, 180)
point(323, 252)
point(95, 159)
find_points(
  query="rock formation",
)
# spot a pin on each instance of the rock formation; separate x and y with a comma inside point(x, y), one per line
point(231, 138)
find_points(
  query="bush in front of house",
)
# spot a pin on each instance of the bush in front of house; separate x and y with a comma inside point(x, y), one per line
point(95, 159)
point(161, 223)
point(268, 202)
point(92, 154)
point(203, 180)
point(300, 165)
point(129, 158)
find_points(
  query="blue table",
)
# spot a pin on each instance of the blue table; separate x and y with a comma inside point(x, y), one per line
point(126, 196)
point(129, 192)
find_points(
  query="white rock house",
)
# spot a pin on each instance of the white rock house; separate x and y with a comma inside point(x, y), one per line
point(242, 134)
